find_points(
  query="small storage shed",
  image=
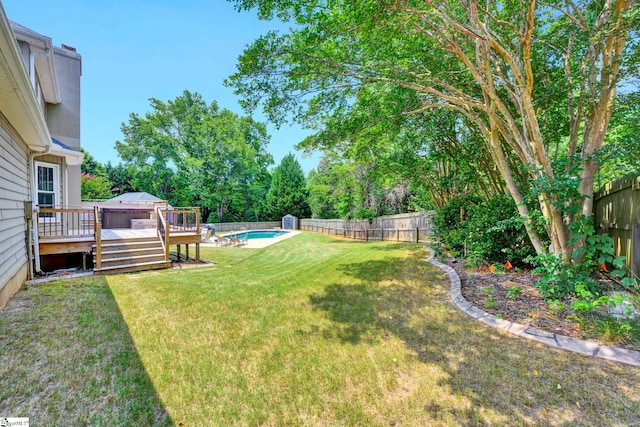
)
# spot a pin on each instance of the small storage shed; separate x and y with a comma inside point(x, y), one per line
point(289, 222)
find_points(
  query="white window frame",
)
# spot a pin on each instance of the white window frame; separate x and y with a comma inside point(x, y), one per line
point(55, 192)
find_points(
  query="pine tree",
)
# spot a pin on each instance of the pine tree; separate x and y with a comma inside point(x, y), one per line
point(288, 192)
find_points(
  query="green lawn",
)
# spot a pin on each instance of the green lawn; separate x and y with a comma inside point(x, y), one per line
point(311, 331)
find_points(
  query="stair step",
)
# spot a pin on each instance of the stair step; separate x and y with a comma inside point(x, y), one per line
point(128, 268)
point(130, 254)
point(133, 258)
point(129, 245)
point(117, 253)
point(131, 239)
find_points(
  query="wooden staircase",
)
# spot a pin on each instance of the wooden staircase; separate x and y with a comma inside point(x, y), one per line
point(130, 254)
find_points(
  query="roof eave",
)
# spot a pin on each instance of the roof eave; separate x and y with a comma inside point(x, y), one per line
point(24, 115)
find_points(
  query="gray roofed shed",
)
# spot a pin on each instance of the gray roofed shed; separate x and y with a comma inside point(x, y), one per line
point(289, 222)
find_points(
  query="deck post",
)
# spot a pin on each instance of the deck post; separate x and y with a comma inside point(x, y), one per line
point(167, 236)
point(97, 229)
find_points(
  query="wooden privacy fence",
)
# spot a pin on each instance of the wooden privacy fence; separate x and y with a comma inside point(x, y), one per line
point(414, 227)
point(617, 213)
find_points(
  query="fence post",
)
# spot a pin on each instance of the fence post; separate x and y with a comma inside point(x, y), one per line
point(366, 234)
point(417, 233)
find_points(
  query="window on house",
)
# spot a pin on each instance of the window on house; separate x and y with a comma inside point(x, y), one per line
point(48, 188)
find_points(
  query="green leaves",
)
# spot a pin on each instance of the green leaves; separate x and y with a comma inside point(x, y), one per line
point(523, 83)
point(194, 154)
point(288, 191)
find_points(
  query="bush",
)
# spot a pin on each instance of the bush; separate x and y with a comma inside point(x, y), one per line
point(250, 216)
point(561, 279)
point(482, 231)
point(213, 218)
point(449, 223)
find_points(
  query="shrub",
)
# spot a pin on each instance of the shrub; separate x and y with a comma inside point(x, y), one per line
point(250, 216)
point(561, 279)
point(490, 231)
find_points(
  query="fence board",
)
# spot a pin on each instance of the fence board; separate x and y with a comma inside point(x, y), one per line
point(617, 212)
point(413, 227)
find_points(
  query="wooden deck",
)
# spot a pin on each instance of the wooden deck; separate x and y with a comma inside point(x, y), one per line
point(68, 231)
point(71, 244)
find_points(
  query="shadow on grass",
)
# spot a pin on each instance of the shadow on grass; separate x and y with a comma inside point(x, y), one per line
point(519, 381)
point(67, 354)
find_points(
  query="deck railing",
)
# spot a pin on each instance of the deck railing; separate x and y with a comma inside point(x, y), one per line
point(163, 229)
point(170, 221)
point(66, 223)
point(184, 219)
point(97, 230)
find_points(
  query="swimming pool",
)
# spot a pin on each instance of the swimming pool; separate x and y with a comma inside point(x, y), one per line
point(257, 234)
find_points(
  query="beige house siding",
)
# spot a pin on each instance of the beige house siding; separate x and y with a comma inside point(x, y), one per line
point(55, 160)
point(14, 191)
point(63, 119)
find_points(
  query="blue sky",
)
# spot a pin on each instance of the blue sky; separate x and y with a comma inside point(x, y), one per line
point(134, 50)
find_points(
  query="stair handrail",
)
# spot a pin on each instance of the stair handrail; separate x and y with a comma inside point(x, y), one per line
point(163, 230)
point(97, 232)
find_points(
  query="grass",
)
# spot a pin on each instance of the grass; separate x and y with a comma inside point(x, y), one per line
point(310, 331)
point(612, 331)
point(67, 358)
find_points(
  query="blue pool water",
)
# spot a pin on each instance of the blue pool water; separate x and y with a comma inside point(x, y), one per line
point(257, 234)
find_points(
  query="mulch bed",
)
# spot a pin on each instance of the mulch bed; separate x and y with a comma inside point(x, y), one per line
point(489, 291)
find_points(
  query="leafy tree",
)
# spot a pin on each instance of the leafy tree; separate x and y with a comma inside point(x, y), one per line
point(121, 177)
point(535, 80)
point(94, 187)
point(91, 166)
point(288, 193)
point(620, 155)
point(321, 184)
point(194, 154)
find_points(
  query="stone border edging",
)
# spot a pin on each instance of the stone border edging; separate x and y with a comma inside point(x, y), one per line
point(621, 355)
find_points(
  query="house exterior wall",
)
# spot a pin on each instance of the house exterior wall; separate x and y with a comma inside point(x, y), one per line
point(56, 160)
point(63, 119)
point(14, 191)
point(25, 51)
point(56, 71)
